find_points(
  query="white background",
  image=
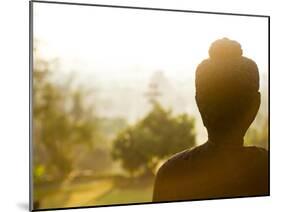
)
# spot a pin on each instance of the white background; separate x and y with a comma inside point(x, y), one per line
point(14, 105)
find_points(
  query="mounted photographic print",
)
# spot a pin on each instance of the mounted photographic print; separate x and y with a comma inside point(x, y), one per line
point(134, 105)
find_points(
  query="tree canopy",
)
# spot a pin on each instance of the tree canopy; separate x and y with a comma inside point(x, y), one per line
point(157, 136)
point(62, 121)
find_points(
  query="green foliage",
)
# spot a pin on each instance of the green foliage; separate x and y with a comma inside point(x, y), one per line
point(155, 137)
point(62, 120)
point(38, 172)
point(258, 135)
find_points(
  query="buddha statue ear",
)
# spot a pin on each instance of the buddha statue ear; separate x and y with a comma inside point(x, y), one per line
point(251, 114)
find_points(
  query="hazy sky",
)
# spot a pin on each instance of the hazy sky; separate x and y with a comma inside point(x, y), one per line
point(109, 47)
point(131, 44)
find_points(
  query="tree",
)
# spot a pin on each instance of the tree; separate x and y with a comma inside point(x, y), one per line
point(62, 122)
point(157, 136)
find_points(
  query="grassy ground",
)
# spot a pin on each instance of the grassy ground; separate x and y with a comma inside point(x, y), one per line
point(126, 195)
point(95, 192)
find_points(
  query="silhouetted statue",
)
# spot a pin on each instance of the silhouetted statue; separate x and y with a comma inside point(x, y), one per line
point(228, 98)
